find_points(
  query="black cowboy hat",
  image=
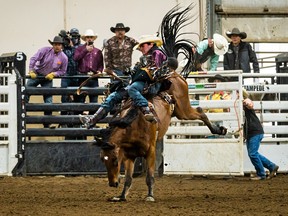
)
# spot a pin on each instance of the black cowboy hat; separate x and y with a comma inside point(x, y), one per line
point(236, 31)
point(217, 76)
point(57, 39)
point(119, 26)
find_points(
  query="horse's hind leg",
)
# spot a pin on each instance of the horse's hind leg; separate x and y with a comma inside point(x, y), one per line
point(213, 128)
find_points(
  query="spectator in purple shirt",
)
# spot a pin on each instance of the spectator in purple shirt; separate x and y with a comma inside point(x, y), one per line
point(90, 61)
point(48, 62)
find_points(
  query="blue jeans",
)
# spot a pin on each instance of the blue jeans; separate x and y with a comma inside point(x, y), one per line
point(134, 92)
point(43, 83)
point(258, 160)
point(67, 83)
point(112, 100)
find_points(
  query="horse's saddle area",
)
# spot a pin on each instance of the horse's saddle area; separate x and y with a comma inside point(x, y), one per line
point(131, 112)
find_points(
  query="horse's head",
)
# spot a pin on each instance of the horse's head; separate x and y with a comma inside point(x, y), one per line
point(110, 156)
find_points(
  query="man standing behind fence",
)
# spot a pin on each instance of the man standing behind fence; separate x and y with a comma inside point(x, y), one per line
point(218, 95)
point(48, 62)
point(71, 41)
point(90, 61)
point(118, 53)
point(119, 49)
point(240, 54)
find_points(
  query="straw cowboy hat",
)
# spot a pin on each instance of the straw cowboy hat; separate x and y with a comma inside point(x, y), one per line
point(57, 39)
point(89, 32)
point(218, 77)
point(220, 44)
point(148, 39)
point(236, 31)
point(120, 26)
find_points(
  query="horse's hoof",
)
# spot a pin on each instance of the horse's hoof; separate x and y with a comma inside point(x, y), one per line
point(150, 199)
point(223, 130)
point(117, 199)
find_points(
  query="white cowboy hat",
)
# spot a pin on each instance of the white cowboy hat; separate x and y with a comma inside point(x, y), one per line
point(89, 32)
point(149, 39)
point(220, 44)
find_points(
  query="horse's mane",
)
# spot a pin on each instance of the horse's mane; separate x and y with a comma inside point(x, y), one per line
point(173, 42)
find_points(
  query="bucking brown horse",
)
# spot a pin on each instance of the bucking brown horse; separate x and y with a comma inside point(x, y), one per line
point(139, 139)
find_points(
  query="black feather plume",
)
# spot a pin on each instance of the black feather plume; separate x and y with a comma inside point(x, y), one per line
point(173, 42)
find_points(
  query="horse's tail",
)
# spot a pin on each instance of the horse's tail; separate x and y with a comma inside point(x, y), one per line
point(171, 25)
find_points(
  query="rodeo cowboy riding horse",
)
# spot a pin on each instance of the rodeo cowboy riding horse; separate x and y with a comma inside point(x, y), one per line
point(122, 144)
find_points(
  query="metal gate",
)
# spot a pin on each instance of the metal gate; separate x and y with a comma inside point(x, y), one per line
point(49, 151)
point(189, 146)
point(11, 66)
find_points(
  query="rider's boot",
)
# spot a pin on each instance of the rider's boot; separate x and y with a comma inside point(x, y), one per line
point(148, 114)
point(90, 121)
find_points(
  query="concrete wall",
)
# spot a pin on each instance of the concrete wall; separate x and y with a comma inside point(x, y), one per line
point(27, 25)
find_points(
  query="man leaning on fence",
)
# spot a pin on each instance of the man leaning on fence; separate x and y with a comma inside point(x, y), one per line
point(254, 133)
point(47, 63)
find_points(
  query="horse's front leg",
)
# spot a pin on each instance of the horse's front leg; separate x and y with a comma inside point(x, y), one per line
point(129, 169)
point(150, 163)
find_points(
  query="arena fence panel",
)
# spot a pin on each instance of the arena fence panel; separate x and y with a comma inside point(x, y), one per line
point(189, 148)
point(11, 67)
point(26, 148)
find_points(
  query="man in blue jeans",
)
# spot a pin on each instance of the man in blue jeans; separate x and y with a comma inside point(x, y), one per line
point(254, 133)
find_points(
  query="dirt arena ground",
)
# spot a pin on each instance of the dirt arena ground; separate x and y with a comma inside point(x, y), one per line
point(175, 195)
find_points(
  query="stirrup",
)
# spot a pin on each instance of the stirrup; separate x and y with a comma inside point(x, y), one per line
point(150, 117)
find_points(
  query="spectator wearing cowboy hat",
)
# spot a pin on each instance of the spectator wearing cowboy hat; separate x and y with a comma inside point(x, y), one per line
point(49, 62)
point(154, 57)
point(239, 54)
point(90, 61)
point(218, 95)
point(119, 49)
point(210, 50)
